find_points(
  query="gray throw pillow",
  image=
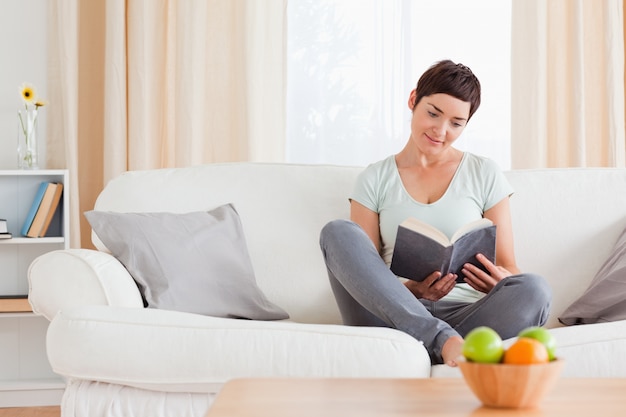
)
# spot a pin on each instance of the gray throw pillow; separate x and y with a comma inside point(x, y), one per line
point(605, 298)
point(193, 262)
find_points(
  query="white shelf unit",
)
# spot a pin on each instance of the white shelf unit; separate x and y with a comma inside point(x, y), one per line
point(26, 378)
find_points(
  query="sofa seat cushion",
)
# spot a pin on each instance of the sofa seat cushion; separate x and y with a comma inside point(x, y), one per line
point(593, 350)
point(183, 352)
point(589, 351)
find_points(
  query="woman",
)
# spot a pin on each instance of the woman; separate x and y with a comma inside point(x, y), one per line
point(433, 181)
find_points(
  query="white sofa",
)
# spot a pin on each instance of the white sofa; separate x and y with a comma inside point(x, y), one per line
point(122, 359)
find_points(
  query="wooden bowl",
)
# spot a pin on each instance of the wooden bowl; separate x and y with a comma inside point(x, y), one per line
point(510, 386)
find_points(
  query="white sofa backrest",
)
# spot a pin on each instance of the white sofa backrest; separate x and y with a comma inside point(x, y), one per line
point(565, 221)
point(282, 208)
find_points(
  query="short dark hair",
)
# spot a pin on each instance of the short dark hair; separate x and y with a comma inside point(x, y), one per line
point(456, 80)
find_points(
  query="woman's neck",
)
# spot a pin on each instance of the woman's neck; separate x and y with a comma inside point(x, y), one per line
point(410, 157)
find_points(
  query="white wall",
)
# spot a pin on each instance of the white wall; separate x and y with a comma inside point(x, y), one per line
point(23, 58)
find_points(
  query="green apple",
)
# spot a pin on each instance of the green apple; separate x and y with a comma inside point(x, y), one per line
point(542, 335)
point(484, 345)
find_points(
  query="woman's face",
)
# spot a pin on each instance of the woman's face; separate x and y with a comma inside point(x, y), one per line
point(437, 122)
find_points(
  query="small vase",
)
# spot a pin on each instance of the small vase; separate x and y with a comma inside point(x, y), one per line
point(27, 139)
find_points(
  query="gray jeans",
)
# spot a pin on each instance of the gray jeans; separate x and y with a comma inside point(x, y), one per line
point(369, 294)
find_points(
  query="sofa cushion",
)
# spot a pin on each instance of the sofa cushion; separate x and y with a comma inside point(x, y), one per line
point(193, 262)
point(604, 300)
point(175, 351)
point(591, 351)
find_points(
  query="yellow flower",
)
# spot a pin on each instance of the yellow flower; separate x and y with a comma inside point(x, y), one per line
point(28, 93)
point(28, 123)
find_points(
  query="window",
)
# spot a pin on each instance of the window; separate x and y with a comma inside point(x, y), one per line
point(353, 63)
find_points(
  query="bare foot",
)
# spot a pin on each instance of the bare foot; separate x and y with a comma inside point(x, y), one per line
point(451, 350)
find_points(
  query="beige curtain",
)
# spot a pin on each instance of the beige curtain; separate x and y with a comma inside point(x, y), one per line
point(568, 83)
point(62, 128)
point(165, 83)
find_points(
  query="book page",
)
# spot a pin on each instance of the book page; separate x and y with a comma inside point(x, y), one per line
point(427, 230)
point(475, 225)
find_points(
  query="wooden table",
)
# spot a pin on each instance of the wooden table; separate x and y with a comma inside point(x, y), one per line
point(449, 397)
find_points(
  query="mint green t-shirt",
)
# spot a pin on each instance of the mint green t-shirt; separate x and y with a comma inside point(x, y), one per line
point(477, 185)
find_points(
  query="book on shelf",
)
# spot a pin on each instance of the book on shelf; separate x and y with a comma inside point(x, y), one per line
point(14, 304)
point(34, 207)
point(4, 230)
point(51, 210)
point(420, 249)
point(45, 212)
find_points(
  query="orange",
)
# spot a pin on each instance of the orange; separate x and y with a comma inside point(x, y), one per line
point(526, 351)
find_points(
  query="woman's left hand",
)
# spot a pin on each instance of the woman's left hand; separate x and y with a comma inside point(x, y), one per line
point(479, 279)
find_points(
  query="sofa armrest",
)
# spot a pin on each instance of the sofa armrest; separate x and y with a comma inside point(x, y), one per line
point(73, 277)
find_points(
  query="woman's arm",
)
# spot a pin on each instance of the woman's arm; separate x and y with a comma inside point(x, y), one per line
point(368, 220)
point(500, 215)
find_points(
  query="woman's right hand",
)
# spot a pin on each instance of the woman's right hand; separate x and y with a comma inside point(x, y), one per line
point(434, 287)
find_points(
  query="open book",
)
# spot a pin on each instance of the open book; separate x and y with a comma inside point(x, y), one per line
point(421, 249)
